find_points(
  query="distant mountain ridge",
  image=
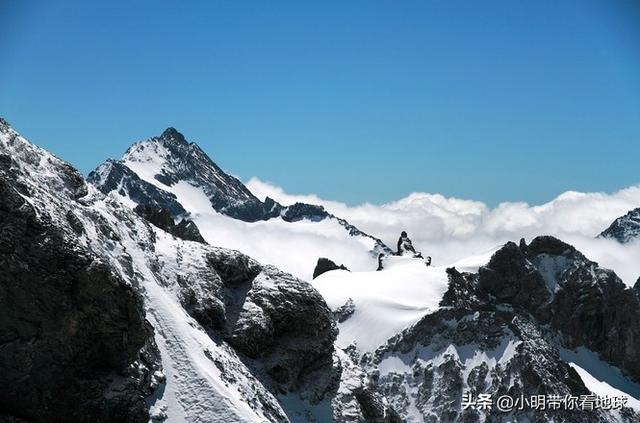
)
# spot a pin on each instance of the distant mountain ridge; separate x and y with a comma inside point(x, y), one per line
point(152, 171)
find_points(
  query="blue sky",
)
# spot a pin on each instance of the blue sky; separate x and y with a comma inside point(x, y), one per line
point(353, 100)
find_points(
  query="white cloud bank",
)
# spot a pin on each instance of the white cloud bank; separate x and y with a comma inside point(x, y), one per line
point(450, 229)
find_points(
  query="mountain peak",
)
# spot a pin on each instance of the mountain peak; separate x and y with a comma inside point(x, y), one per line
point(625, 228)
point(172, 134)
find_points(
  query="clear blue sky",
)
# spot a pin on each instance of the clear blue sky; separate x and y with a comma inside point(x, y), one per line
point(352, 100)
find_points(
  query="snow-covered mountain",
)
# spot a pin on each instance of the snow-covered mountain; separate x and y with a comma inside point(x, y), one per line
point(168, 172)
point(104, 317)
point(625, 228)
point(112, 308)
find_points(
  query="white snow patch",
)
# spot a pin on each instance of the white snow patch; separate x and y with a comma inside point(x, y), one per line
point(192, 198)
point(386, 302)
point(474, 262)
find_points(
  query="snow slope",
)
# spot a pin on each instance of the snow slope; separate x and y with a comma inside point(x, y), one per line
point(385, 302)
point(390, 300)
point(602, 378)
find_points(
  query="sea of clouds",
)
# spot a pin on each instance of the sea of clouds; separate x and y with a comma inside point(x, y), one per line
point(451, 229)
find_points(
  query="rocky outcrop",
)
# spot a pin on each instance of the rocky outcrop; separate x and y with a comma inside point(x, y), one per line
point(405, 247)
point(625, 228)
point(511, 278)
point(345, 311)
point(280, 323)
point(162, 218)
point(288, 326)
point(302, 211)
point(495, 352)
point(326, 265)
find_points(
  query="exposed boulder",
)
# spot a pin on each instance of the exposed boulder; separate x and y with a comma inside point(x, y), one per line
point(286, 323)
point(280, 324)
point(326, 265)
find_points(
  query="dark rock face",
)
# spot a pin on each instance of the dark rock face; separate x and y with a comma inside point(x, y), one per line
point(162, 218)
point(535, 368)
point(325, 265)
point(625, 228)
point(549, 245)
point(115, 176)
point(280, 324)
point(74, 342)
point(290, 330)
point(589, 304)
point(373, 408)
point(511, 278)
point(518, 311)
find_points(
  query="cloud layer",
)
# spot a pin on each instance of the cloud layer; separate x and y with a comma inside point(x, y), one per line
point(450, 229)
